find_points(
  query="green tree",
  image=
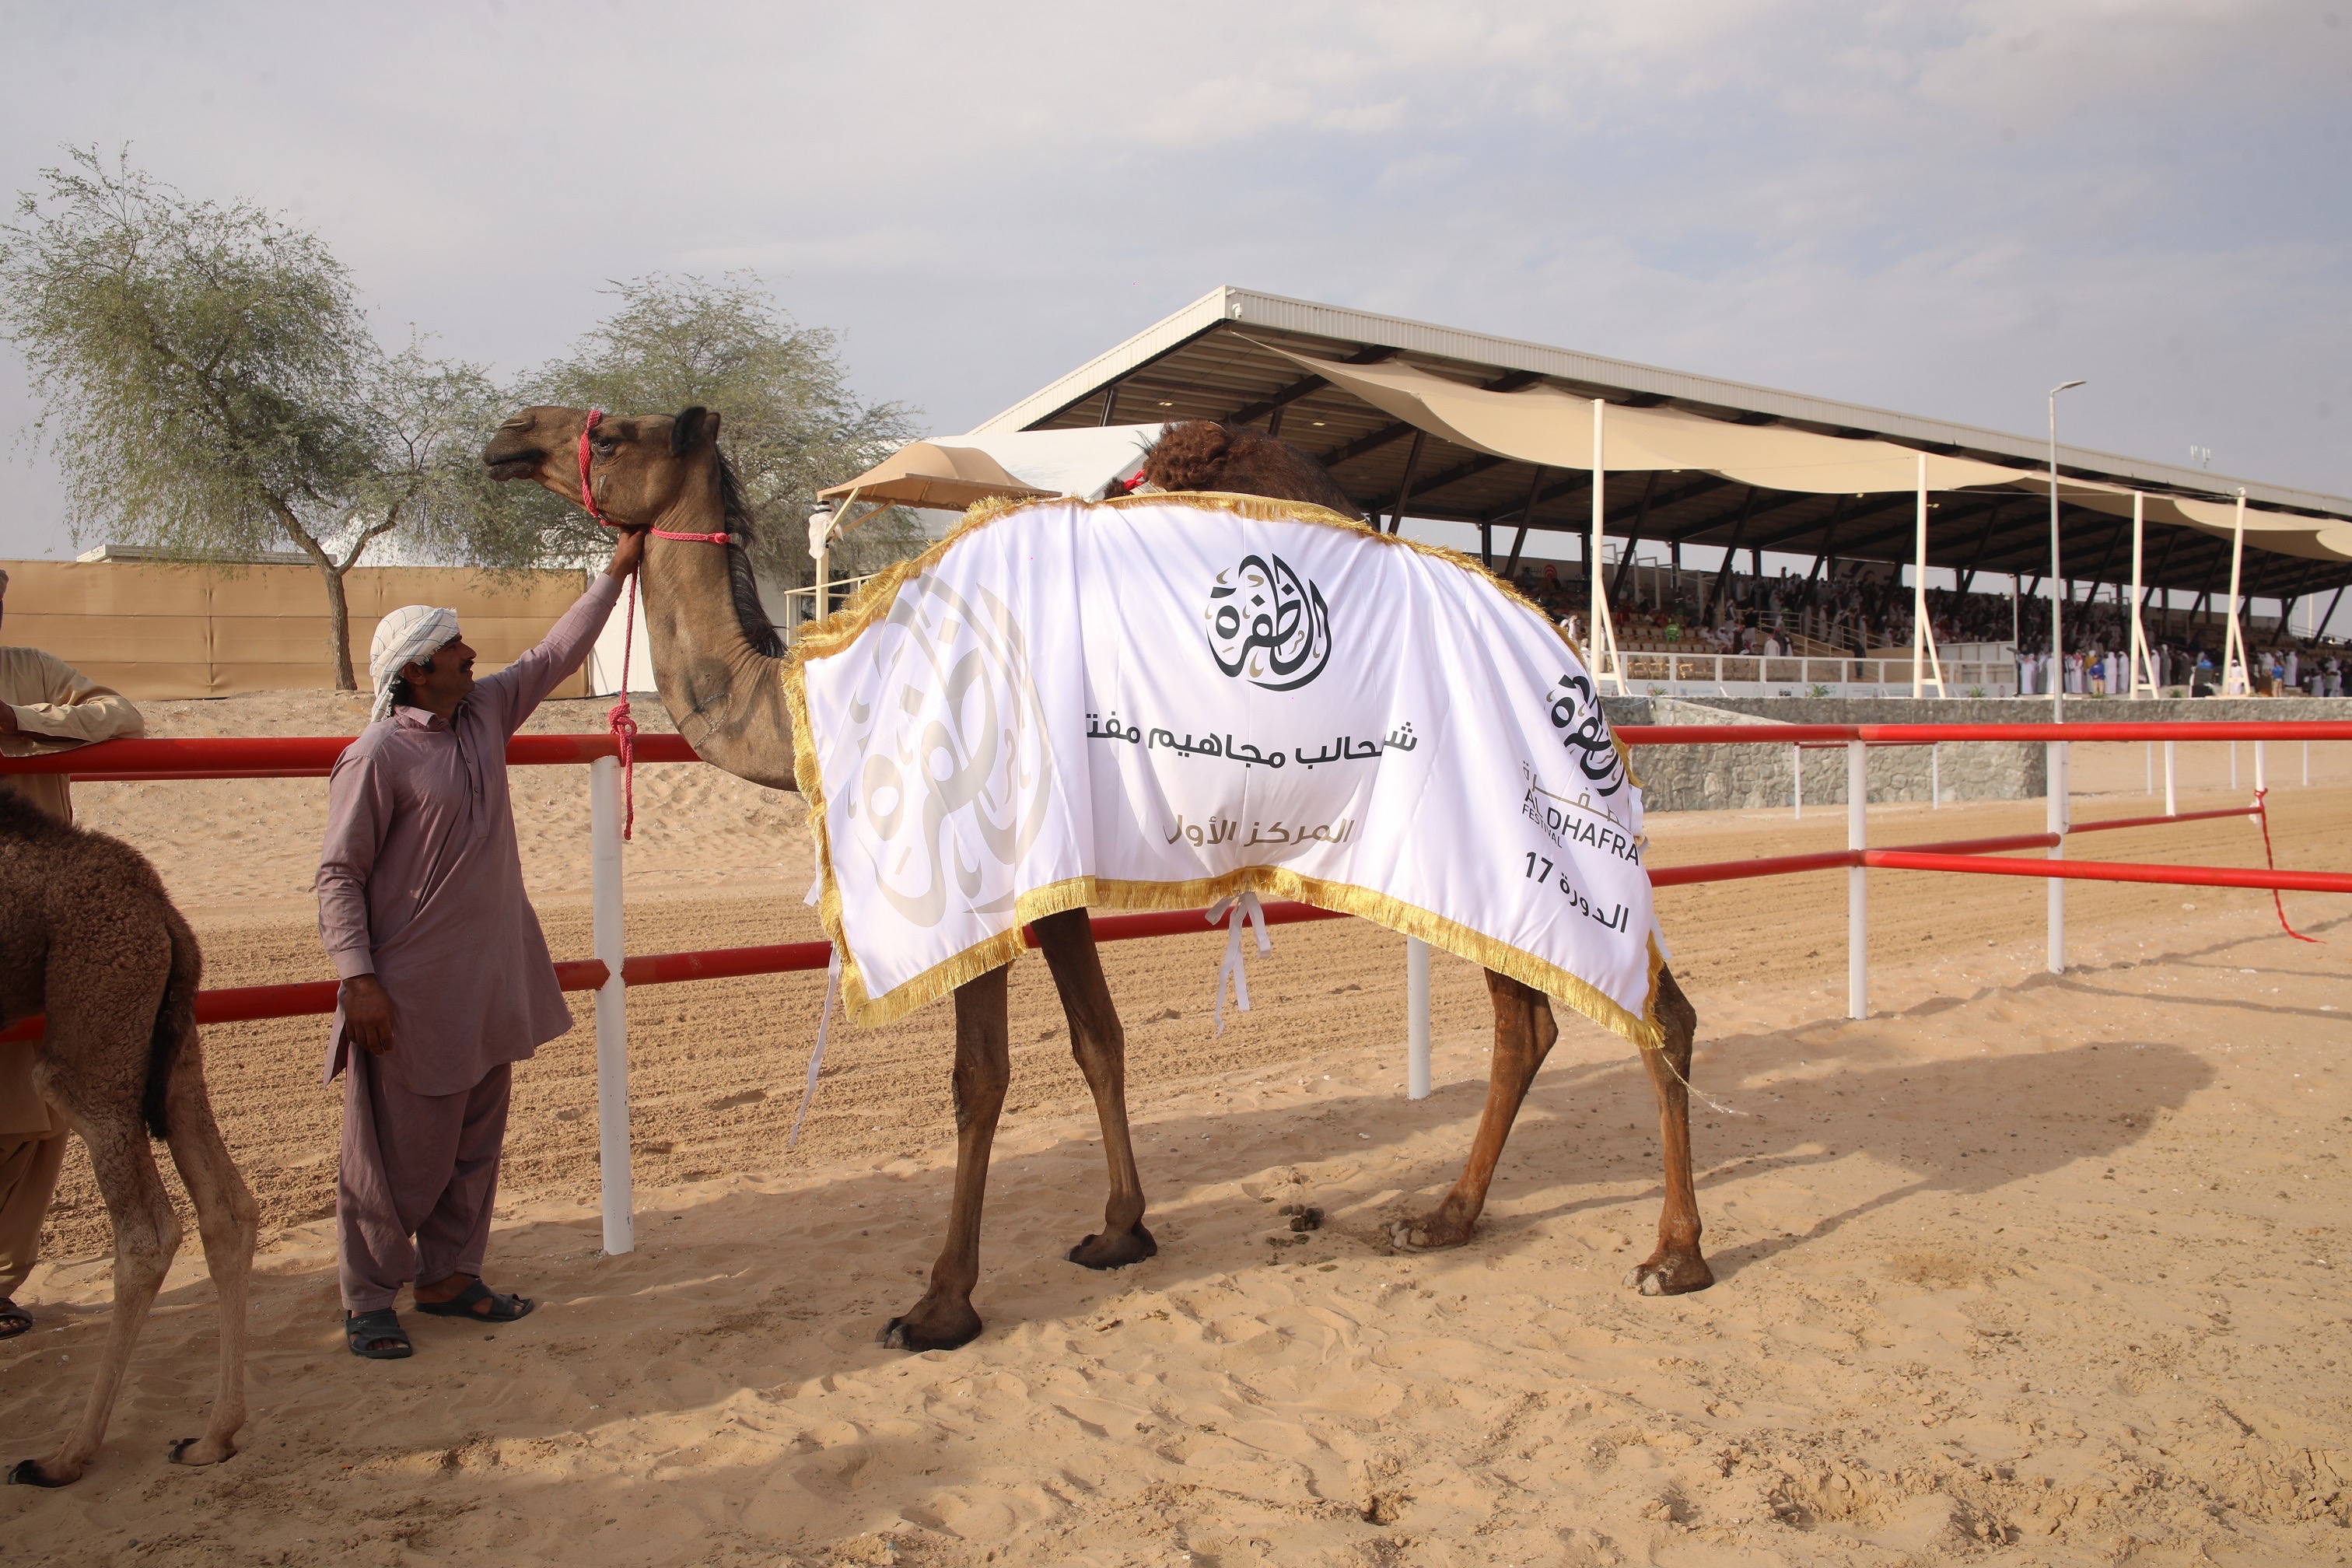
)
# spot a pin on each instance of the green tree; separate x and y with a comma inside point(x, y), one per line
point(790, 422)
point(210, 387)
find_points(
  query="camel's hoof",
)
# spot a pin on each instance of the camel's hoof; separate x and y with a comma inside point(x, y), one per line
point(31, 1473)
point(1425, 1236)
point(1676, 1276)
point(906, 1334)
point(179, 1455)
point(1114, 1251)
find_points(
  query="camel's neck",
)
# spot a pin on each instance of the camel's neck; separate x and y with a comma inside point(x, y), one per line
point(726, 696)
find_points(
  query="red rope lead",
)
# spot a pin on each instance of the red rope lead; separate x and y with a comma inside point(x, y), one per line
point(2263, 814)
point(625, 727)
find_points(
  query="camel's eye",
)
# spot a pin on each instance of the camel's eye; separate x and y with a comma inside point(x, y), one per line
point(605, 446)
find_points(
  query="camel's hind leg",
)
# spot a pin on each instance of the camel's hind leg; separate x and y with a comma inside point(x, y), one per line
point(226, 1218)
point(1100, 1047)
point(146, 1234)
point(1678, 1265)
point(944, 1318)
point(1524, 1035)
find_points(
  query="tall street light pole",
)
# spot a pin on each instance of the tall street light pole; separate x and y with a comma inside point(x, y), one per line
point(2054, 758)
point(2057, 584)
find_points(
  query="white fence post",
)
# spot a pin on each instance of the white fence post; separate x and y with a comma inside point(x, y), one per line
point(1857, 891)
point(2262, 775)
point(1936, 777)
point(2306, 764)
point(2056, 819)
point(1796, 776)
point(1416, 1019)
point(2171, 772)
point(612, 1006)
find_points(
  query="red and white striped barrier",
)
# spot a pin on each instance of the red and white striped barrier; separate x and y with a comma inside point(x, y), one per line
point(611, 971)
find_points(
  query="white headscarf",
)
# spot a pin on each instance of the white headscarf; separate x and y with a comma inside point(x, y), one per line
point(407, 636)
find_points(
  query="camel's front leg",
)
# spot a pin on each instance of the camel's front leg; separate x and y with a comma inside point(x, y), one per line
point(1678, 1265)
point(944, 1318)
point(146, 1233)
point(1524, 1035)
point(1100, 1047)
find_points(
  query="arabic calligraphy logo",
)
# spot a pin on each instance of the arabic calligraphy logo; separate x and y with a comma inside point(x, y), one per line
point(1584, 732)
point(1272, 625)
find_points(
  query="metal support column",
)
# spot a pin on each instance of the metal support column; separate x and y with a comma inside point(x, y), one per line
point(612, 1004)
point(1416, 1019)
point(2056, 819)
point(1857, 889)
point(2237, 681)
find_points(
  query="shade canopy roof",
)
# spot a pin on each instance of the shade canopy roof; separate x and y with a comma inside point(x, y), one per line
point(1467, 427)
point(933, 474)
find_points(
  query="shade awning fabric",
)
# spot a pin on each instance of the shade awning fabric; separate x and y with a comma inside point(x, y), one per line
point(949, 472)
point(2280, 533)
point(1544, 425)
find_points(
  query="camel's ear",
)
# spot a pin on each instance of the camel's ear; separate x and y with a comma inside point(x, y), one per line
point(692, 427)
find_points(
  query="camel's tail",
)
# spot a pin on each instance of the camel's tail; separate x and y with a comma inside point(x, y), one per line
point(175, 1020)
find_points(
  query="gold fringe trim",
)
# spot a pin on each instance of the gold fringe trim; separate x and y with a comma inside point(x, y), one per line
point(834, 633)
point(1277, 881)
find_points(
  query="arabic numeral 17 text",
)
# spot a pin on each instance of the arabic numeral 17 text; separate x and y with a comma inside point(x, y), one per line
point(1534, 875)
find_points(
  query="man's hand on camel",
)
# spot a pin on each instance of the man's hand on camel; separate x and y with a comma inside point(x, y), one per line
point(367, 1014)
point(627, 551)
point(8, 725)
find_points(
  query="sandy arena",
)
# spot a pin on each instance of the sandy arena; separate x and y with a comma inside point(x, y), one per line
point(2042, 1269)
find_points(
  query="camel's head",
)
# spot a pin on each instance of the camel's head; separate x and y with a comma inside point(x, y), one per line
point(641, 468)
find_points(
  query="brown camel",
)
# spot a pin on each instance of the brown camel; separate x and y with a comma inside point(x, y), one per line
point(89, 936)
point(716, 663)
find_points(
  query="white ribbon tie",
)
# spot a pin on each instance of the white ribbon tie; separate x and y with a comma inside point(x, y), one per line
point(816, 1055)
point(1244, 911)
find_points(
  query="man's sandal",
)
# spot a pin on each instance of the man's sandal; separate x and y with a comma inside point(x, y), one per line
point(377, 1335)
point(503, 1309)
point(14, 1320)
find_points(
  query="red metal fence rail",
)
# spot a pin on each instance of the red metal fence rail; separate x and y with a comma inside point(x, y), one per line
point(314, 757)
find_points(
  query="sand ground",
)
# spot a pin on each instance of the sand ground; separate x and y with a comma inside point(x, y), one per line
point(2042, 1268)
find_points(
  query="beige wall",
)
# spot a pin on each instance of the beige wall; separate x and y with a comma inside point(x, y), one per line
point(152, 630)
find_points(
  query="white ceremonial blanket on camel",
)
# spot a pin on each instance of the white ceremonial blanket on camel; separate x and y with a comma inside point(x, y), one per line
point(1157, 702)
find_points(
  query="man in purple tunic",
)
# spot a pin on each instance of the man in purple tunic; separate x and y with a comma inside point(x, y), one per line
point(446, 980)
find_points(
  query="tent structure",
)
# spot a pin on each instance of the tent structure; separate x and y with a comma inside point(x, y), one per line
point(1517, 438)
point(949, 473)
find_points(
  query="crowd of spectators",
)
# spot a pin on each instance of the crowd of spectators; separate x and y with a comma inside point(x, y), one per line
point(1859, 611)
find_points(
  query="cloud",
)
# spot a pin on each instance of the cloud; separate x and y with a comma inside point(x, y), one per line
point(1936, 209)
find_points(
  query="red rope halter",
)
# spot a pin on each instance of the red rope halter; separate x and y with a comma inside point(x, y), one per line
point(623, 726)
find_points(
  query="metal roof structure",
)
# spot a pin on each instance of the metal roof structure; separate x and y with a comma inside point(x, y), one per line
point(1214, 358)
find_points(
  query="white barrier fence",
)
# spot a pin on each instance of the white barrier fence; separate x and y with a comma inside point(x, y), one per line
point(1657, 674)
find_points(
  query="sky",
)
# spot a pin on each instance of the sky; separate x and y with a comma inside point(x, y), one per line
point(1943, 209)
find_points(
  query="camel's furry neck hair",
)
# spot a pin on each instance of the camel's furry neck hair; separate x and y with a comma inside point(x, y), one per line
point(743, 586)
point(20, 818)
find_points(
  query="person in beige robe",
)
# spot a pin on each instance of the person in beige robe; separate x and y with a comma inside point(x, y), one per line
point(44, 703)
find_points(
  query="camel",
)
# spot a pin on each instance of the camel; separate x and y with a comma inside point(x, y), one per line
point(718, 667)
point(89, 936)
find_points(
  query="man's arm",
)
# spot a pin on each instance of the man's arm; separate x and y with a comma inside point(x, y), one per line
point(360, 806)
point(72, 708)
point(523, 684)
